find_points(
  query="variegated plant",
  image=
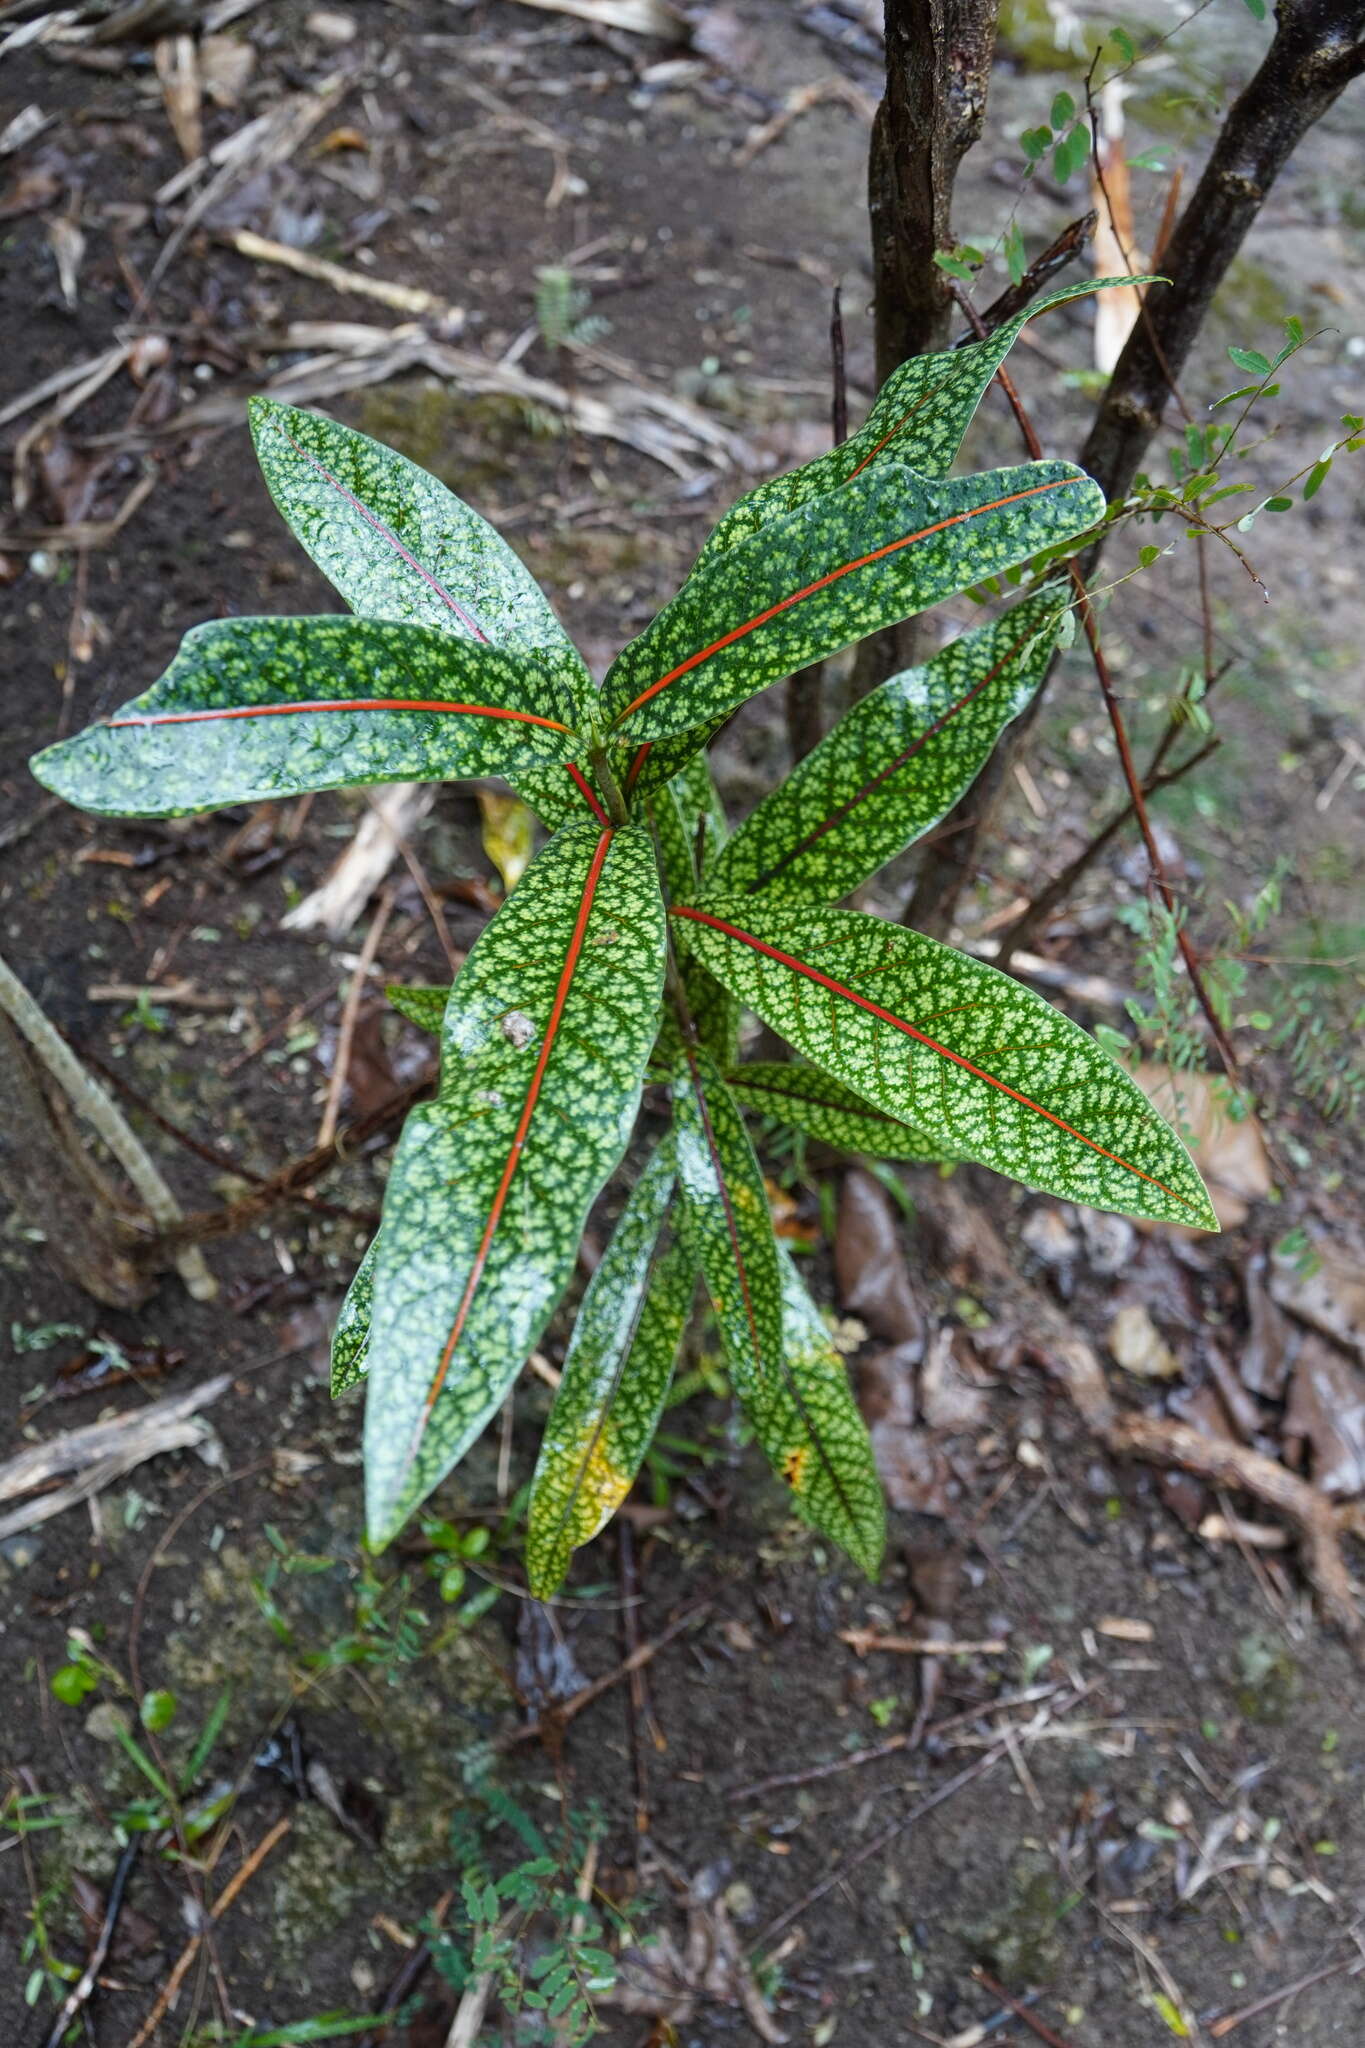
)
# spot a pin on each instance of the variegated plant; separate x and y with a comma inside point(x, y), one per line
point(642, 927)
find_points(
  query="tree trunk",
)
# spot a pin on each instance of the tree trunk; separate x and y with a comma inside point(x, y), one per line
point(1316, 52)
point(938, 62)
point(938, 65)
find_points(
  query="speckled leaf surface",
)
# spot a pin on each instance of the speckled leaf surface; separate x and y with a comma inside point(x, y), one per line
point(815, 1102)
point(424, 1007)
point(398, 545)
point(894, 765)
point(616, 1375)
point(919, 418)
point(959, 1050)
point(805, 1423)
point(812, 1431)
point(351, 1337)
point(258, 708)
point(544, 1044)
point(887, 545)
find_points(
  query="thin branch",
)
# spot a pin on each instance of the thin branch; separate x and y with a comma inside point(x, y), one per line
point(92, 1101)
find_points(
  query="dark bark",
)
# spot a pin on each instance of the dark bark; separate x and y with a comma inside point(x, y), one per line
point(1316, 52)
point(938, 61)
point(938, 66)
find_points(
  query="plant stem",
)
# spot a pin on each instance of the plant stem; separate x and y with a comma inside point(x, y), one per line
point(91, 1101)
point(609, 786)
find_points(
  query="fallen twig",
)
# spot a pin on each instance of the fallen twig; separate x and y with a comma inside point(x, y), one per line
point(400, 298)
point(165, 1998)
point(80, 1993)
point(1349, 1966)
point(864, 1640)
point(1019, 2009)
point(97, 1107)
point(559, 1716)
point(336, 1086)
point(102, 1453)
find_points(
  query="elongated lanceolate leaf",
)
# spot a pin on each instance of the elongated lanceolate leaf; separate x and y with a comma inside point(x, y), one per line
point(424, 1007)
point(544, 1045)
point(258, 708)
point(894, 765)
point(351, 1337)
point(959, 1050)
point(813, 1101)
point(616, 1376)
point(885, 546)
point(398, 545)
point(805, 1422)
point(835, 1486)
point(919, 418)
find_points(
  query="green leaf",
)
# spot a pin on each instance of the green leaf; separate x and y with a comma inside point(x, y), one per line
point(157, 1710)
point(811, 1429)
point(1255, 8)
point(545, 1040)
point(424, 1007)
point(1317, 477)
point(813, 1101)
point(616, 1376)
point(966, 1054)
point(258, 708)
point(351, 1337)
point(801, 1412)
point(895, 764)
point(919, 419)
point(1014, 252)
point(1251, 360)
point(1063, 110)
point(884, 546)
point(398, 545)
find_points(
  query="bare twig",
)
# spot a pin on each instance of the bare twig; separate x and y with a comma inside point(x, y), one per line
point(568, 1710)
point(166, 1997)
point(92, 1102)
point(355, 993)
point(80, 1993)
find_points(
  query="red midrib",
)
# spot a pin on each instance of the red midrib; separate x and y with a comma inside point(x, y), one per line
point(585, 790)
point(341, 704)
point(385, 533)
point(499, 1201)
point(731, 1226)
point(783, 604)
point(884, 774)
point(838, 988)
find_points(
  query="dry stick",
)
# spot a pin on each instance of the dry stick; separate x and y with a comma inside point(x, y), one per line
point(1160, 1441)
point(300, 1173)
point(1019, 2009)
point(985, 1762)
point(93, 1102)
point(569, 1709)
point(1059, 889)
point(636, 1700)
point(224, 1162)
point(1348, 1966)
point(341, 1064)
point(863, 1640)
point(410, 1974)
point(1055, 257)
point(165, 1998)
point(80, 1992)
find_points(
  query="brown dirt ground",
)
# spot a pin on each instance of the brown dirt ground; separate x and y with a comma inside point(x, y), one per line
point(1063, 1869)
